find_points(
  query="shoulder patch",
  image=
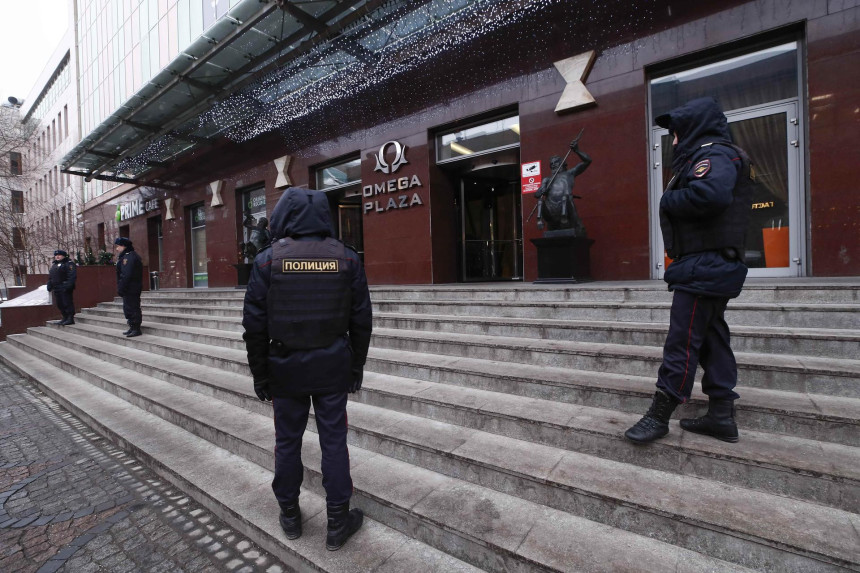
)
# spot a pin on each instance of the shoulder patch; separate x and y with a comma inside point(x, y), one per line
point(702, 167)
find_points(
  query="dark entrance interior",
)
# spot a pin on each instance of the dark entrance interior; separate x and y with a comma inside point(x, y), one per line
point(490, 242)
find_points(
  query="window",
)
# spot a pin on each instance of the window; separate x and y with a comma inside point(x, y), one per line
point(478, 139)
point(253, 210)
point(346, 172)
point(199, 262)
point(16, 167)
point(20, 272)
point(744, 81)
point(18, 238)
point(17, 200)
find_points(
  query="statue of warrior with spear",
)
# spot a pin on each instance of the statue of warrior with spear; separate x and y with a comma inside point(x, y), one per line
point(555, 206)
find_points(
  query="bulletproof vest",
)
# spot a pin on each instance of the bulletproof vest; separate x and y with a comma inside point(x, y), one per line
point(724, 232)
point(58, 272)
point(309, 296)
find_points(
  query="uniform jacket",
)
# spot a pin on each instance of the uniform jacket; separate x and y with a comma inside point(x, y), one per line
point(62, 276)
point(304, 215)
point(129, 273)
point(706, 170)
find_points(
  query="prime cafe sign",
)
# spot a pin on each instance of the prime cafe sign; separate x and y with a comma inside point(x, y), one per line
point(396, 193)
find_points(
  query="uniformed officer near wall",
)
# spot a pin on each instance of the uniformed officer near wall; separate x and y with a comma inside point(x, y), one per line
point(61, 282)
point(704, 215)
point(307, 320)
point(129, 284)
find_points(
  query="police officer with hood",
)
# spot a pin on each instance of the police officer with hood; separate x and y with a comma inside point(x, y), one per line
point(129, 284)
point(704, 214)
point(307, 319)
point(61, 282)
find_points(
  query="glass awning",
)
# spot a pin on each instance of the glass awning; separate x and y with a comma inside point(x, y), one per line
point(263, 65)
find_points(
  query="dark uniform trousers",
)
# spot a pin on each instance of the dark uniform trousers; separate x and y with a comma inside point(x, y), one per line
point(698, 334)
point(291, 418)
point(131, 310)
point(65, 302)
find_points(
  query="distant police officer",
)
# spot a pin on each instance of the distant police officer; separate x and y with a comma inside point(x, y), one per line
point(129, 284)
point(307, 320)
point(61, 282)
point(704, 214)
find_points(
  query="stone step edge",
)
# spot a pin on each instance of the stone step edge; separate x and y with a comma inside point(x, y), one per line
point(229, 386)
point(213, 427)
point(763, 396)
point(465, 536)
point(825, 334)
point(746, 360)
point(305, 554)
point(636, 305)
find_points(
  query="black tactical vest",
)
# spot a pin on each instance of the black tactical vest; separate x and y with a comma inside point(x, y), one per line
point(725, 231)
point(59, 272)
point(309, 296)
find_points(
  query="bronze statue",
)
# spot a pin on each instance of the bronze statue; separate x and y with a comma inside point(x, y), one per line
point(555, 207)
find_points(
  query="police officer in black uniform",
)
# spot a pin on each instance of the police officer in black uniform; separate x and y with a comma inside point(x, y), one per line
point(129, 284)
point(61, 282)
point(308, 320)
point(704, 214)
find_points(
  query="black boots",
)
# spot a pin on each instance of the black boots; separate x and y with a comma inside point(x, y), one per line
point(134, 332)
point(718, 423)
point(67, 320)
point(655, 424)
point(291, 520)
point(342, 523)
point(127, 332)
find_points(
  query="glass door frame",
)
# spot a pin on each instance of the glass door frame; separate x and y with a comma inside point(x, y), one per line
point(517, 240)
point(795, 145)
point(191, 229)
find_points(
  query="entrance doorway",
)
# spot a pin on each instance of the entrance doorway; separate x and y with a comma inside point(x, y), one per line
point(491, 245)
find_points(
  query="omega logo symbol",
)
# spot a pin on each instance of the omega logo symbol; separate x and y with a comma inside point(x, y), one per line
point(399, 157)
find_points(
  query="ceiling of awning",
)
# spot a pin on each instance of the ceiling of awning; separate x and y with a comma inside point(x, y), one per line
point(264, 64)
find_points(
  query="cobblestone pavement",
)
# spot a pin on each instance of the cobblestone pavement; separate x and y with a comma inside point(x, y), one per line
point(71, 501)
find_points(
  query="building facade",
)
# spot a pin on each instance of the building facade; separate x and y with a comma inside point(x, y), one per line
point(429, 125)
point(45, 213)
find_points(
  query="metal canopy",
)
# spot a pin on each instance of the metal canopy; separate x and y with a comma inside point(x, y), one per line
point(256, 62)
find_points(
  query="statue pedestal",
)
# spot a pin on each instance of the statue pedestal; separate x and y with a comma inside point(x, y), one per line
point(563, 259)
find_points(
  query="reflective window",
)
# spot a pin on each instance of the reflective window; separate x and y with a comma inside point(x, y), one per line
point(337, 174)
point(744, 81)
point(199, 262)
point(477, 139)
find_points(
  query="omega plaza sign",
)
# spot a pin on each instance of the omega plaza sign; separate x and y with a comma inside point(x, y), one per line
point(397, 191)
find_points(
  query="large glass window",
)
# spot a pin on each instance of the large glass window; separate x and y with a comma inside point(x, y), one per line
point(199, 263)
point(253, 219)
point(338, 174)
point(752, 79)
point(759, 94)
point(478, 139)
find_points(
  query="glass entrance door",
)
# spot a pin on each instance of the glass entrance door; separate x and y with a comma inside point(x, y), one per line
point(199, 262)
point(771, 137)
point(490, 240)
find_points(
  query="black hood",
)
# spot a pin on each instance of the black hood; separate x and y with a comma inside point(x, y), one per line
point(301, 212)
point(696, 122)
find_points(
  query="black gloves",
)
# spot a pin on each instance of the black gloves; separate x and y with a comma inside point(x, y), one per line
point(357, 377)
point(261, 388)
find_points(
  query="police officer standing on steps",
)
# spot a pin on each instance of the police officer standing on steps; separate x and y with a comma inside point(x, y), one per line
point(129, 284)
point(704, 214)
point(61, 282)
point(307, 320)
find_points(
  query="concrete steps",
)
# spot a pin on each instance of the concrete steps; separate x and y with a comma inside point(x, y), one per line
point(489, 437)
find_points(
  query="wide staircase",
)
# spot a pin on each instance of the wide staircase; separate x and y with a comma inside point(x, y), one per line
point(489, 431)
